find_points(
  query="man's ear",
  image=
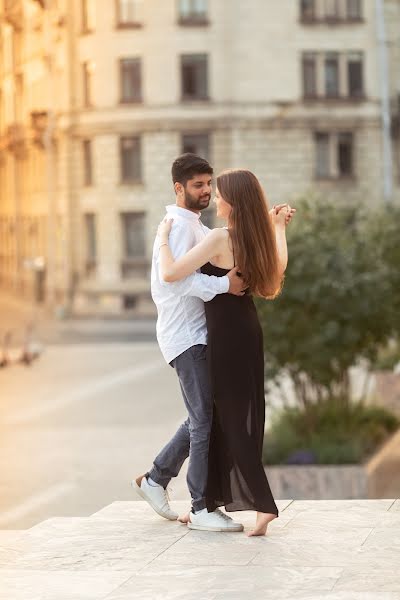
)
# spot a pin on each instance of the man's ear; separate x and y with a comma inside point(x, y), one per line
point(178, 188)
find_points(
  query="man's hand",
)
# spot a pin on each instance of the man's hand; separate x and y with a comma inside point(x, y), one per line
point(236, 285)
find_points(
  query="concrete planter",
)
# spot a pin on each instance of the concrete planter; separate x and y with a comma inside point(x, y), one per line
point(333, 482)
point(318, 482)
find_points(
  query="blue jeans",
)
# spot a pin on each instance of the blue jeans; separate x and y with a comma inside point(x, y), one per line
point(193, 436)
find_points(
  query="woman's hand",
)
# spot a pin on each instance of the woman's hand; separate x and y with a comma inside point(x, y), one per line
point(286, 210)
point(164, 229)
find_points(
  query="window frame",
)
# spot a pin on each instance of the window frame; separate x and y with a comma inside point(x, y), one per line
point(136, 60)
point(119, 24)
point(334, 173)
point(136, 179)
point(341, 16)
point(185, 97)
point(86, 27)
point(87, 84)
point(87, 158)
point(344, 59)
point(193, 19)
point(91, 243)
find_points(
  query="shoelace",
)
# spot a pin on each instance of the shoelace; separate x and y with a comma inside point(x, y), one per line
point(167, 496)
point(223, 515)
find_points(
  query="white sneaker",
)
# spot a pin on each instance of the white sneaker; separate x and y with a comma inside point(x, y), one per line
point(156, 496)
point(213, 521)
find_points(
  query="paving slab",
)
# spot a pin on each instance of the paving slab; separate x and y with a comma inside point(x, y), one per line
point(335, 550)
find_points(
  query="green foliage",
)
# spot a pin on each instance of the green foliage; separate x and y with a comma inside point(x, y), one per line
point(340, 301)
point(388, 357)
point(332, 432)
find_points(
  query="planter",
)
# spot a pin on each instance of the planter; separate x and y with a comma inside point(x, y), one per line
point(377, 478)
point(387, 390)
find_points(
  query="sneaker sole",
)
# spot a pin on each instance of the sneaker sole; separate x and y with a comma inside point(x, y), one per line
point(219, 529)
point(148, 500)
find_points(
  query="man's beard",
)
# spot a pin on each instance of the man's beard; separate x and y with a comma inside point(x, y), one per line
point(197, 203)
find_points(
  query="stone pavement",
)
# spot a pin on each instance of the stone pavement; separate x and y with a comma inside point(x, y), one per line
point(332, 549)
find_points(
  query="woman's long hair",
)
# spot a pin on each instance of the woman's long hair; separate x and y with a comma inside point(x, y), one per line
point(252, 232)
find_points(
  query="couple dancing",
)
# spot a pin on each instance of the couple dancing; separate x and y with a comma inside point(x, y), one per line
point(208, 331)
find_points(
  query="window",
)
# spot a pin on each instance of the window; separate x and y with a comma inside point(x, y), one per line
point(131, 80)
point(134, 262)
point(309, 75)
point(307, 10)
point(88, 15)
point(194, 76)
point(355, 75)
point(345, 154)
point(131, 160)
point(87, 162)
point(87, 73)
point(129, 13)
point(322, 155)
point(90, 243)
point(197, 143)
point(133, 234)
point(334, 155)
point(331, 75)
point(354, 10)
point(331, 11)
point(192, 11)
point(19, 96)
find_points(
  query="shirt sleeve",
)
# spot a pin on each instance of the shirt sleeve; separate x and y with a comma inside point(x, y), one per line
point(203, 286)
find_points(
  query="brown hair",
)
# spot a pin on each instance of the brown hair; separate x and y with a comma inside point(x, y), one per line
point(252, 232)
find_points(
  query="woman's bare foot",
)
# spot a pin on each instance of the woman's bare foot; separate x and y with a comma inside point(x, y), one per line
point(262, 522)
point(184, 519)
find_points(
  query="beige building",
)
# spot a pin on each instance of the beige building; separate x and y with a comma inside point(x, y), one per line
point(99, 96)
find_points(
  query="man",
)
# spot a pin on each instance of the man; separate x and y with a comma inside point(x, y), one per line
point(182, 337)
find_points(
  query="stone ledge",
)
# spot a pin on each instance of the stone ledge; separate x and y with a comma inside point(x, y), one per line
point(334, 549)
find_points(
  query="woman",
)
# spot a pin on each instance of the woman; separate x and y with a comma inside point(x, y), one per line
point(255, 242)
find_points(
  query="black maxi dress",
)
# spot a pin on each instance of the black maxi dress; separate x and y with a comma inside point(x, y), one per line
point(235, 357)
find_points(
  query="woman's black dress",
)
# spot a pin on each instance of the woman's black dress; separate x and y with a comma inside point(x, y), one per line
point(235, 356)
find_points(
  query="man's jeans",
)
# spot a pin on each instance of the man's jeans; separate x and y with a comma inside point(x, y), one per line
point(193, 436)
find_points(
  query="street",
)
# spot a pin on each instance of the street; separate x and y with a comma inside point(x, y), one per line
point(79, 424)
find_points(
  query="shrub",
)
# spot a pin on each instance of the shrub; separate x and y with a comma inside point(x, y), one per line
point(330, 432)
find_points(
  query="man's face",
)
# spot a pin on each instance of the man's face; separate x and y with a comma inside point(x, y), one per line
point(197, 192)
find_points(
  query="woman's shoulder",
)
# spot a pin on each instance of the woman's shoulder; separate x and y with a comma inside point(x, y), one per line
point(219, 233)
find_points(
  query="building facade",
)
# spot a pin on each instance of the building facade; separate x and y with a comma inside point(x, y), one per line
point(99, 96)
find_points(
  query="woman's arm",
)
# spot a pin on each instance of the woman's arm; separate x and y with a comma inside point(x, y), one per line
point(280, 221)
point(173, 270)
point(281, 245)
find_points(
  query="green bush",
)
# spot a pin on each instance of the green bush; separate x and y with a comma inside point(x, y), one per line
point(330, 432)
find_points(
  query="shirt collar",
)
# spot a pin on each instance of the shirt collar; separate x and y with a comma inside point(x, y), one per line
point(182, 212)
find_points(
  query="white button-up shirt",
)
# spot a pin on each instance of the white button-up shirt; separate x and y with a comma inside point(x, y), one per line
point(181, 319)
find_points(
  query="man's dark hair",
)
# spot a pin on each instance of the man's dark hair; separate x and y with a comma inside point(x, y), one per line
point(188, 165)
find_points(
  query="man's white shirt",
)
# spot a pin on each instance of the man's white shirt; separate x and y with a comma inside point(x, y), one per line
point(181, 319)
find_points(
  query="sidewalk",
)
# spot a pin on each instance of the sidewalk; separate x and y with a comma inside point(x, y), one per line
point(16, 314)
point(331, 550)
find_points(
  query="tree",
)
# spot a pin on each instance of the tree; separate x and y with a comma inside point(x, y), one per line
point(338, 304)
